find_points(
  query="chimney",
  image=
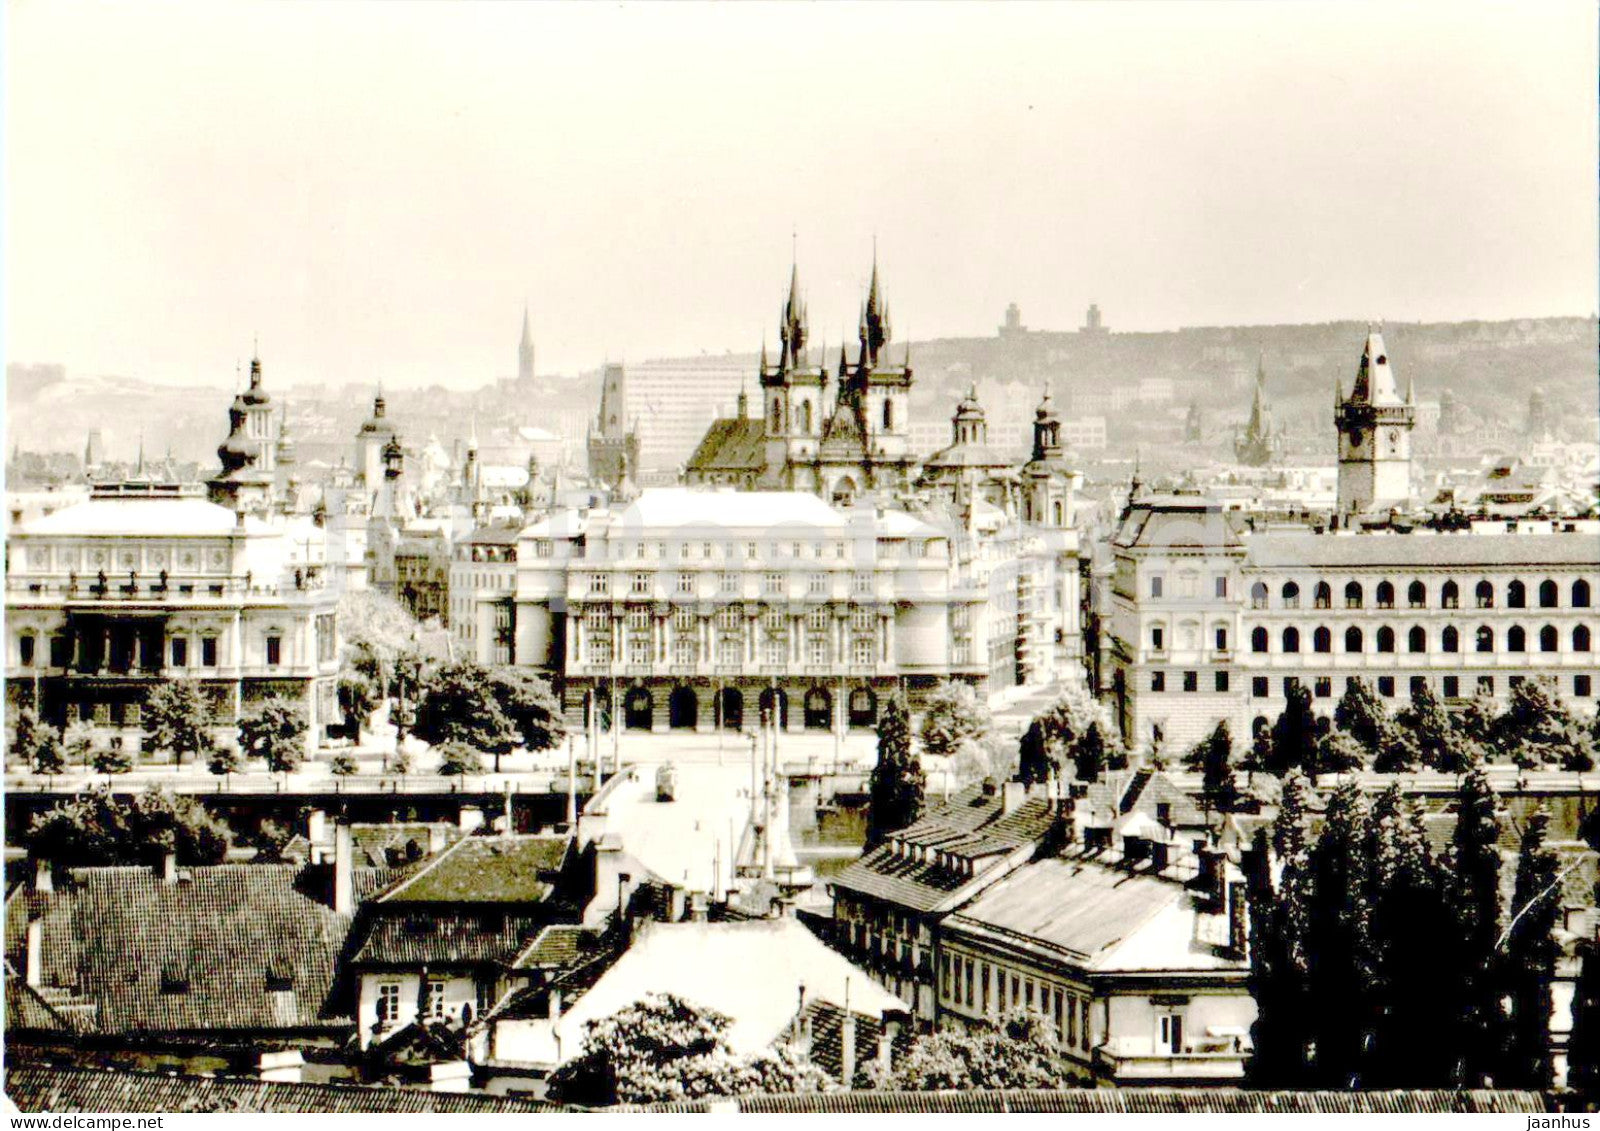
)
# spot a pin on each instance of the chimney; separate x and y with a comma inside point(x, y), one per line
point(1012, 795)
point(317, 827)
point(1158, 856)
point(44, 876)
point(1238, 925)
point(555, 1003)
point(435, 839)
point(344, 901)
point(280, 1067)
point(34, 959)
point(1212, 883)
point(847, 1050)
point(471, 818)
point(891, 1033)
point(169, 867)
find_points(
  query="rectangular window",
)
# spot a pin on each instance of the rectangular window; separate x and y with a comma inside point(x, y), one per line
point(1158, 681)
point(1322, 688)
point(817, 584)
point(1083, 1021)
point(971, 988)
point(1258, 687)
point(641, 585)
point(180, 651)
point(1386, 686)
point(25, 649)
point(600, 584)
point(772, 584)
point(435, 1000)
point(1222, 586)
point(1222, 640)
point(1582, 686)
point(752, 551)
point(1452, 687)
point(1191, 681)
point(388, 1003)
point(1290, 682)
point(60, 651)
point(208, 651)
point(686, 584)
point(1222, 681)
point(274, 651)
point(863, 650)
point(861, 583)
point(729, 583)
point(1158, 638)
point(1155, 586)
point(1419, 683)
point(1486, 685)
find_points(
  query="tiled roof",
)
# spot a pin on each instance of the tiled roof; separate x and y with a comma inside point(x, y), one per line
point(488, 869)
point(1177, 522)
point(968, 826)
point(26, 1008)
point(41, 1088)
point(731, 444)
point(1459, 550)
point(443, 937)
point(1141, 1101)
point(240, 946)
point(559, 945)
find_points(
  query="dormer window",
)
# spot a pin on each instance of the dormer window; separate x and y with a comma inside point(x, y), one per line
point(174, 980)
point(279, 980)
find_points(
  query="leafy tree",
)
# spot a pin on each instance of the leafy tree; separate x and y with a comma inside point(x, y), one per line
point(343, 764)
point(1294, 735)
point(1033, 759)
point(1339, 944)
point(457, 759)
point(1089, 755)
point(1213, 757)
point(1066, 728)
point(460, 703)
point(1362, 715)
point(895, 794)
point(29, 736)
point(1280, 917)
point(178, 718)
point(359, 696)
point(1538, 730)
point(531, 706)
point(78, 743)
point(953, 718)
point(225, 761)
point(96, 829)
point(1338, 753)
point(112, 760)
point(1020, 1052)
point(1583, 1044)
point(1427, 736)
point(49, 755)
point(1531, 954)
point(378, 631)
point(274, 730)
point(1476, 1034)
point(1476, 721)
point(665, 1048)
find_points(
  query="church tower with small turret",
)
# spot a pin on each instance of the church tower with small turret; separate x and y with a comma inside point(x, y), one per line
point(1375, 425)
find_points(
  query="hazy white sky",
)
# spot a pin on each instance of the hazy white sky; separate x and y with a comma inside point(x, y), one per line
point(374, 190)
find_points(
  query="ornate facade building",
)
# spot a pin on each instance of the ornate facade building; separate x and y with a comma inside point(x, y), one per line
point(695, 609)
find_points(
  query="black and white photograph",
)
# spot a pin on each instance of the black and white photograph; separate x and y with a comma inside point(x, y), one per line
point(857, 558)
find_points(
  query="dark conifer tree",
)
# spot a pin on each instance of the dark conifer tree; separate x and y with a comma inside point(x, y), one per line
point(1478, 1040)
point(1339, 947)
point(1279, 924)
point(1362, 715)
point(1033, 759)
point(1583, 1045)
point(896, 791)
point(1294, 735)
point(1089, 754)
point(1531, 951)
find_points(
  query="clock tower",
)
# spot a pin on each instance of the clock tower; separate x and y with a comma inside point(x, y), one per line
point(1375, 426)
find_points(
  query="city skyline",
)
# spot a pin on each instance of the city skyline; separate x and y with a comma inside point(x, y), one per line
point(386, 211)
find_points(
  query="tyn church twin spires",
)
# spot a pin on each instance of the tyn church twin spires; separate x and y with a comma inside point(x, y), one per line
point(837, 442)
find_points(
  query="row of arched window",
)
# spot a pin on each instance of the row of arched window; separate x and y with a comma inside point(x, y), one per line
point(1547, 638)
point(1449, 597)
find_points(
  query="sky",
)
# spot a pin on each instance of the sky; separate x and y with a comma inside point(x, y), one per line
point(373, 192)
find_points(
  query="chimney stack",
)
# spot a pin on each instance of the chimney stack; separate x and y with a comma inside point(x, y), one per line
point(34, 959)
point(344, 896)
point(44, 876)
point(169, 867)
point(1012, 795)
point(317, 828)
point(847, 1050)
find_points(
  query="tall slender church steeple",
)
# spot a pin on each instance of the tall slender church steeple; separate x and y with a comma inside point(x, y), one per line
point(525, 349)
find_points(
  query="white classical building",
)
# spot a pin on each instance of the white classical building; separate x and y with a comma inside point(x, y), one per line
point(146, 582)
point(689, 607)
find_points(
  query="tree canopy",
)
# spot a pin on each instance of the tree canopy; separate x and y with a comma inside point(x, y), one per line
point(895, 793)
point(96, 828)
point(953, 719)
point(1020, 1052)
point(177, 717)
point(274, 730)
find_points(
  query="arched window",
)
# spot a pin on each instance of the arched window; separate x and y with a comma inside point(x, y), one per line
point(1417, 595)
point(1450, 596)
point(1549, 639)
point(1485, 595)
point(1580, 638)
point(805, 417)
point(1258, 724)
point(1291, 640)
point(1548, 595)
point(1516, 639)
point(777, 415)
point(1258, 595)
point(1516, 595)
point(888, 414)
point(27, 644)
point(1322, 640)
point(1580, 594)
point(1386, 639)
point(1485, 638)
point(1291, 595)
point(1352, 595)
point(1352, 639)
point(1258, 640)
point(1450, 639)
point(1056, 513)
point(1385, 595)
point(1417, 639)
point(1323, 597)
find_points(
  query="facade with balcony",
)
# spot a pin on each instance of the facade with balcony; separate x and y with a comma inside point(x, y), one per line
point(1210, 621)
point(699, 609)
point(147, 582)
